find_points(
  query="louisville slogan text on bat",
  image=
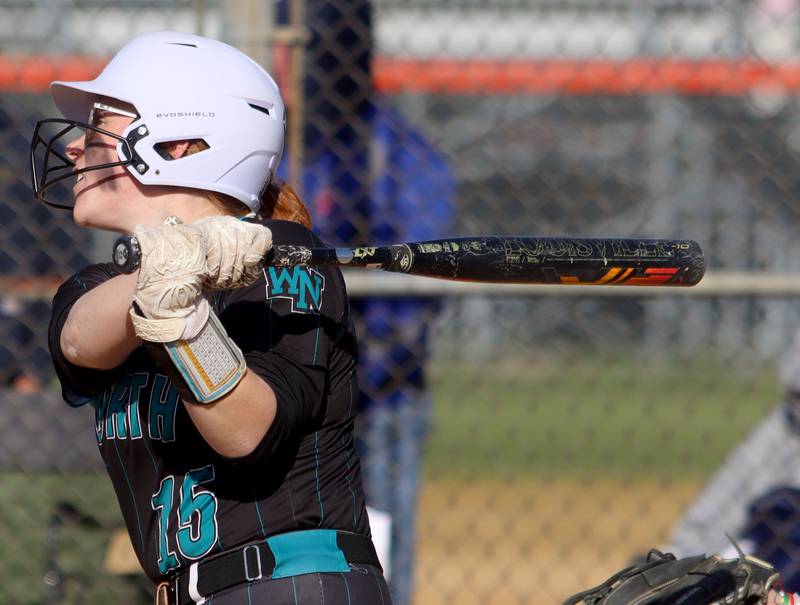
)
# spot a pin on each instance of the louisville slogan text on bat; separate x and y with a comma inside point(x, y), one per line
point(498, 259)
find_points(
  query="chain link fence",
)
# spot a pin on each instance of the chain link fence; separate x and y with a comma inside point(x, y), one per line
point(525, 443)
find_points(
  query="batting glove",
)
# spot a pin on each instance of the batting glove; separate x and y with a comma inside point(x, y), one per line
point(169, 290)
point(235, 251)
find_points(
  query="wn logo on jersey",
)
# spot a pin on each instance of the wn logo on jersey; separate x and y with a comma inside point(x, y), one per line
point(301, 285)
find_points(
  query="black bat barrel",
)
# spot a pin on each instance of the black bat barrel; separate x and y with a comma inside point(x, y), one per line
point(569, 261)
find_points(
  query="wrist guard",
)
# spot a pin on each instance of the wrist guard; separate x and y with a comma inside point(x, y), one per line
point(204, 368)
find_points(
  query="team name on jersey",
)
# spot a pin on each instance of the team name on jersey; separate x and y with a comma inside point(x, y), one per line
point(303, 286)
point(118, 415)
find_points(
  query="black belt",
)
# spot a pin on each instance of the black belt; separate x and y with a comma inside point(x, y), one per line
point(289, 554)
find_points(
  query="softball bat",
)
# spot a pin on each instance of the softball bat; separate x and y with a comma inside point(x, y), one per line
point(500, 260)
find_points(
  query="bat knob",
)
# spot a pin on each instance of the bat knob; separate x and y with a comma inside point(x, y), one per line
point(127, 254)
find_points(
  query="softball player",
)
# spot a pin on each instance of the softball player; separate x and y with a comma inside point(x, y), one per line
point(223, 392)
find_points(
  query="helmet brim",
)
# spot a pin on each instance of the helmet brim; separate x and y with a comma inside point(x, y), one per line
point(74, 99)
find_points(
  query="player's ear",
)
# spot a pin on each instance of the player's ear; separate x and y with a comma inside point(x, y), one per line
point(176, 149)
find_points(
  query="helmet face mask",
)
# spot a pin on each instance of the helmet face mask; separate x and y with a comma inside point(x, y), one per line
point(183, 88)
point(49, 165)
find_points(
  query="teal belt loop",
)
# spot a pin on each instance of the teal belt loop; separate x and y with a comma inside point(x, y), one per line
point(307, 551)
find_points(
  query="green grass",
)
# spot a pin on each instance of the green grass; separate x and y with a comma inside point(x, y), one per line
point(27, 503)
point(595, 416)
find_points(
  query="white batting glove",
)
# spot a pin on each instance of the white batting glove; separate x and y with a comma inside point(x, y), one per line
point(235, 251)
point(169, 291)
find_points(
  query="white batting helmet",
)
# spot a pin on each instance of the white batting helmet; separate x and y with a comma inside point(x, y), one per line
point(186, 87)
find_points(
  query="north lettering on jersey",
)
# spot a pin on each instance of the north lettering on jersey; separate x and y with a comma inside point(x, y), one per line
point(303, 286)
point(117, 413)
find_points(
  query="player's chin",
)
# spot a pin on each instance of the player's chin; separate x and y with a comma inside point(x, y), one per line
point(85, 210)
point(98, 212)
point(79, 214)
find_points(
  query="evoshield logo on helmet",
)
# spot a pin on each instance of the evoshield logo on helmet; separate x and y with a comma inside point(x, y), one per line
point(187, 114)
point(242, 119)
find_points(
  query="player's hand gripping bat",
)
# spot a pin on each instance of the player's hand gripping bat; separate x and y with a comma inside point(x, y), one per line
point(502, 260)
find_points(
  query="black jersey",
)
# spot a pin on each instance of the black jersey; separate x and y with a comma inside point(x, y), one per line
point(181, 500)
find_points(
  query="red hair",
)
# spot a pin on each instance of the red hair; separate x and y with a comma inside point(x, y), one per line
point(279, 200)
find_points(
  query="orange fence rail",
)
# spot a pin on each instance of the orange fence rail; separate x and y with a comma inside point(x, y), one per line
point(734, 77)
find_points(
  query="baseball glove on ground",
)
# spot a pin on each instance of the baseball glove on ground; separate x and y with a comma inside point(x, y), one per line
point(663, 579)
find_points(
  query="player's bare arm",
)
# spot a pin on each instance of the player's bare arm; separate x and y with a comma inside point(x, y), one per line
point(235, 424)
point(98, 332)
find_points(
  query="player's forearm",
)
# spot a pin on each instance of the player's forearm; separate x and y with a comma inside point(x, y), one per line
point(236, 423)
point(98, 332)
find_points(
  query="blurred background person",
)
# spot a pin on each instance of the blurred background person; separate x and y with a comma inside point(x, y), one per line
point(755, 495)
point(371, 178)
